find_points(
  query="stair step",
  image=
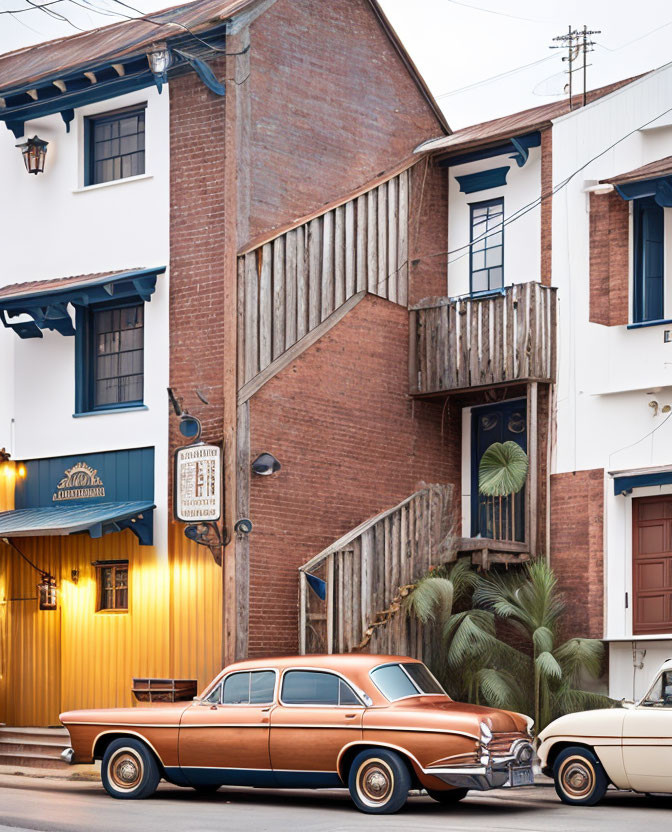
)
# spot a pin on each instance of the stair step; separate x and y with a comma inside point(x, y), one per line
point(10, 746)
point(56, 735)
point(32, 761)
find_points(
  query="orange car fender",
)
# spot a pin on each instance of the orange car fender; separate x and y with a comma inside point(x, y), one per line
point(368, 744)
point(124, 732)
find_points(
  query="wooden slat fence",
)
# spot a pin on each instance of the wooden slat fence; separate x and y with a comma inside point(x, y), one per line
point(475, 342)
point(289, 285)
point(364, 571)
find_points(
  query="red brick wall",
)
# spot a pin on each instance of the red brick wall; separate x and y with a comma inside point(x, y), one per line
point(546, 205)
point(428, 232)
point(577, 548)
point(196, 249)
point(351, 443)
point(332, 106)
point(609, 259)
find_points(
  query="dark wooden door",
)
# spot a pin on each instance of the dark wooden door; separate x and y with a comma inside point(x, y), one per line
point(652, 565)
point(501, 518)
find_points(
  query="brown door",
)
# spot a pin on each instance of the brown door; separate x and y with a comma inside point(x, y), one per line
point(652, 565)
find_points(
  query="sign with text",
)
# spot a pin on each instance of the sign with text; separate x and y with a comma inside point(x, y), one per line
point(197, 483)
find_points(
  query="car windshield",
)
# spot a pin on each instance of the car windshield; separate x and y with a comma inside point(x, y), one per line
point(396, 681)
point(660, 695)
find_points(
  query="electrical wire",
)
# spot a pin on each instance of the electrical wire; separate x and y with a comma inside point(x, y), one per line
point(27, 560)
point(497, 77)
point(525, 209)
point(646, 436)
point(492, 11)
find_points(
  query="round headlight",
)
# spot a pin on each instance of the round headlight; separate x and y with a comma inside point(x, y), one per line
point(525, 753)
point(486, 733)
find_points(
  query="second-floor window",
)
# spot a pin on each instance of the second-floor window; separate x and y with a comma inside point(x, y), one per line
point(486, 250)
point(111, 358)
point(648, 242)
point(115, 145)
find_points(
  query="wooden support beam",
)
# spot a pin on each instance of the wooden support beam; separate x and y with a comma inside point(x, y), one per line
point(533, 474)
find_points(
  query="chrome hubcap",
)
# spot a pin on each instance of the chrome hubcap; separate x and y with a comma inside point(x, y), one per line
point(577, 777)
point(375, 782)
point(125, 770)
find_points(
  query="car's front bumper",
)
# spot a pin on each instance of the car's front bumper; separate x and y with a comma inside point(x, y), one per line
point(498, 772)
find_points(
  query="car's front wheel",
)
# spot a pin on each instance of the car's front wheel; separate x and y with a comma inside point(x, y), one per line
point(448, 796)
point(129, 770)
point(579, 777)
point(379, 781)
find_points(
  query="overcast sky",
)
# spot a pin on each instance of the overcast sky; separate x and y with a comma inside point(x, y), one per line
point(455, 43)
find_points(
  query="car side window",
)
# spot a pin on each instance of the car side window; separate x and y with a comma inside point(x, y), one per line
point(215, 696)
point(252, 688)
point(312, 687)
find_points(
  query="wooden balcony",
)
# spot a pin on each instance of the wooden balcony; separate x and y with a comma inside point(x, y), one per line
point(469, 342)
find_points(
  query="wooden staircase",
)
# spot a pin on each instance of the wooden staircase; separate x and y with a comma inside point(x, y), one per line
point(33, 747)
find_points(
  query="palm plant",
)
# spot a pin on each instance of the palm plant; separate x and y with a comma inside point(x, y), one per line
point(536, 676)
point(502, 472)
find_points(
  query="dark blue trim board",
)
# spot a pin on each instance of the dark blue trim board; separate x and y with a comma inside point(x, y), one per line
point(519, 151)
point(483, 180)
point(625, 484)
point(660, 189)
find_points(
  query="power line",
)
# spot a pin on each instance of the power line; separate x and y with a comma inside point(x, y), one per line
point(499, 75)
point(492, 11)
point(525, 209)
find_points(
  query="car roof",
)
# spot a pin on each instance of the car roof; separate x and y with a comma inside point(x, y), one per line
point(342, 662)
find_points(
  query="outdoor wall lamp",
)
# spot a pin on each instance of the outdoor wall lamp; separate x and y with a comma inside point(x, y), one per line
point(34, 152)
point(47, 592)
point(265, 464)
point(159, 59)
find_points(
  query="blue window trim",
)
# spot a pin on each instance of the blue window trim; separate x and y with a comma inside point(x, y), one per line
point(483, 180)
point(644, 324)
point(102, 118)
point(84, 369)
point(485, 204)
point(640, 291)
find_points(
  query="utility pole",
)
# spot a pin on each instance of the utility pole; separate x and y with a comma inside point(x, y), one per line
point(577, 42)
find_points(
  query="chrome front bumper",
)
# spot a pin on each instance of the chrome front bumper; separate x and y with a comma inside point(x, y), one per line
point(499, 772)
point(67, 755)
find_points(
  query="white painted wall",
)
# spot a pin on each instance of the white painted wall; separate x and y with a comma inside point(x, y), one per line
point(609, 375)
point(50, 227)
point(522, 238)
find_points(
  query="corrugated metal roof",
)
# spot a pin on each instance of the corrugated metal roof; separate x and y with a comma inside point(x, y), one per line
point(68, 519)
point(516, 124)
point(39, 287)
point(662, 167)
point(30, 64)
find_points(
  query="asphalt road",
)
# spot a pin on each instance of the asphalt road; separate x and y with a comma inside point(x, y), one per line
point(46, 805)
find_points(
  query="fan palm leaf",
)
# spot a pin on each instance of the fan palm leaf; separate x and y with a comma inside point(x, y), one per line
point(430, 600)
point(502, 469)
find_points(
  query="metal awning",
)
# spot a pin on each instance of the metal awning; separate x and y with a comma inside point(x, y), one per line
point(97, 520)
point(46, 301)
point(625, 481)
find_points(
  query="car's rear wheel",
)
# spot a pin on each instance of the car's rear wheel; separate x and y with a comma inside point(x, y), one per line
point(379, 781)
point(448, 796)
point(129, 770)
point(579, 777)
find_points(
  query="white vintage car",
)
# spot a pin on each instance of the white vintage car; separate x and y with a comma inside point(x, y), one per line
point(628, 747)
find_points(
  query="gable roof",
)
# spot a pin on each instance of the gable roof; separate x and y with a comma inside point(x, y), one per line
point(24, 67)
point(516, 124)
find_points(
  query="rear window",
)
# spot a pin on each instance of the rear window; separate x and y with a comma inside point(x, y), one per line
point(308, 687)
point(395, 681)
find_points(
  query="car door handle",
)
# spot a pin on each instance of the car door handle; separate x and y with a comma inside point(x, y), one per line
point(350, 716)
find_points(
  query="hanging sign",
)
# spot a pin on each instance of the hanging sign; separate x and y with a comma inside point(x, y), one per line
point(197, 483)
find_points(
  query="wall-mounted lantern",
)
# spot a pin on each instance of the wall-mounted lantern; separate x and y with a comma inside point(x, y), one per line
point(47, 592)
point(34, 152)
point(159, 59)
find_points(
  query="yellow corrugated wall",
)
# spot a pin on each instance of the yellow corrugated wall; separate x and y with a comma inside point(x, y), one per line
point(6, 504)
point(74, 657)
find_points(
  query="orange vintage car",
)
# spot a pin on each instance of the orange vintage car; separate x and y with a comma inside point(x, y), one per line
point(378, 725)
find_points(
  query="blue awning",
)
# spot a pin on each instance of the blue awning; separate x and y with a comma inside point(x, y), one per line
point(97, 520)
point(625, 482)
point(660, 188)
point(46, 302)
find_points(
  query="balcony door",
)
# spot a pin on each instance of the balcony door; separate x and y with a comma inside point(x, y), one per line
point(498, 518)
point(652, 565)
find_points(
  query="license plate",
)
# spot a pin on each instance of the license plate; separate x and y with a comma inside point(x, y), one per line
point(522, 776)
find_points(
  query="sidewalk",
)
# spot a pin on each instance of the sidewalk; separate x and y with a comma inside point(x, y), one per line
point(77, 772)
